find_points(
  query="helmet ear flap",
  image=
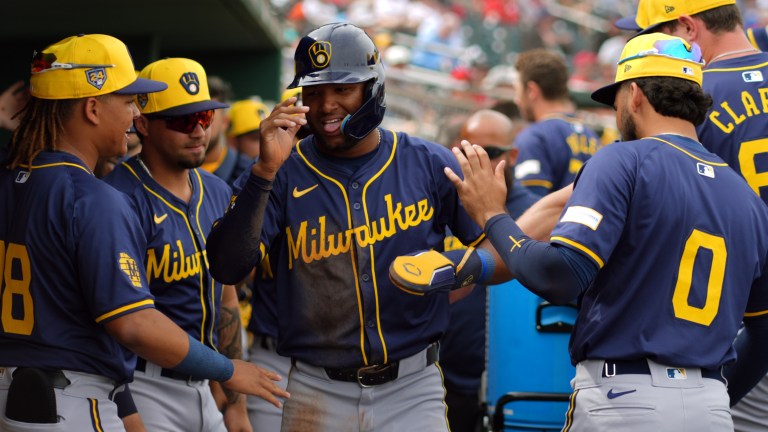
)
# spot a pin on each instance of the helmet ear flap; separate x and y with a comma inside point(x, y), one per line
point(370, 114)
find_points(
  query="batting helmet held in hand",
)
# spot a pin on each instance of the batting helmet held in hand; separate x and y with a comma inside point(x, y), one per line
point(343, 53)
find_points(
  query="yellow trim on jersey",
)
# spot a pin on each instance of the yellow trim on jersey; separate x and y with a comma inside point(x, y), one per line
point(477, 240)
point(580, 247)
point(191, 235)
point(205, 258)
point(351, 249)
point(124, 308)
point(543, 183)
point(689, 154)
point(742, 68)
point(31, 167)
point(368, 222)
point(445, 392)
point(95, 419)
point(754, 314)
point(751, 37)
point(212, 166)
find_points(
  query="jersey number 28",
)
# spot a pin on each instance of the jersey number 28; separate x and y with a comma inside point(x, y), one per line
point(14, 261)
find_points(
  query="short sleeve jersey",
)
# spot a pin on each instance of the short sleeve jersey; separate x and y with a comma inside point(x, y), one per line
point(175, 259)
point(70, 254)
point(553, 150)
point(331, 233)
point(680, 240)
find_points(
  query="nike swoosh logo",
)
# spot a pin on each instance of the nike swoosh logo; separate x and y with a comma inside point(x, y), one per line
point(612, 395)
point(160, 219)
point(298, 194)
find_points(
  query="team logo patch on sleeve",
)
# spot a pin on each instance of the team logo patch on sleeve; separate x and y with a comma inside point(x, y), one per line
point(96, 77)
point(583, 215)
point(529, 167)
point(705, 170)
point(129, 267)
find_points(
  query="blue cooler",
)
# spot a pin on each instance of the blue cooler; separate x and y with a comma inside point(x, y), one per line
point(528, 369)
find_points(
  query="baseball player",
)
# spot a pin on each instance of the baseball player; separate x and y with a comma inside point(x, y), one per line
point(557, 143)
point(177, 204)
point(331, 212)
point(736, 128)
point(653, 343)
point(243, 133)
point(74, 295)
point(462, 348)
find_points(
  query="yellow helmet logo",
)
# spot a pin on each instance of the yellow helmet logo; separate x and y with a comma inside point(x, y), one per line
point(320, 54)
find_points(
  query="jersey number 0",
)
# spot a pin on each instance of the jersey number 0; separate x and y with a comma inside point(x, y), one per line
point(16, 258)
point(683, 309)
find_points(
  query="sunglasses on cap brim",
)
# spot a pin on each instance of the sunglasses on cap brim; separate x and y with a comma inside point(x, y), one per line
point(45, 62)
point(672, 48)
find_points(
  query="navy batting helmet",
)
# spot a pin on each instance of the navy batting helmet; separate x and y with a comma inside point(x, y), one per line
point(342, 53)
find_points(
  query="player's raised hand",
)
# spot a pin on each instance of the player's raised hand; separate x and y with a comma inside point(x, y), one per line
point(253, 380)
point(278, 136)
point(483, 191)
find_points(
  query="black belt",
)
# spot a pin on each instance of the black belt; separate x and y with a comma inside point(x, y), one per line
point(640, 367)
point(373, 375)
point(57, 377)
point(141, 365)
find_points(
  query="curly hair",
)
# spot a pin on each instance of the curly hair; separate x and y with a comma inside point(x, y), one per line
point(676, 97)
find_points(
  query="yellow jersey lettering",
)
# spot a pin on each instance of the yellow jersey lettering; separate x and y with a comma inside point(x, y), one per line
point(764, 99)
point(750, 106)
point(173, 267)
point(714, 118)
point(309, 245)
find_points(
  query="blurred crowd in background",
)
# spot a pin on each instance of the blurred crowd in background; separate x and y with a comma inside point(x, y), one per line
point(448, 58)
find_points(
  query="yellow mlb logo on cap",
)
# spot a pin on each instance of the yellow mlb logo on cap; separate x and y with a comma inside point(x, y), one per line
point(654, 55)
point(85, 66)
point(187, 91)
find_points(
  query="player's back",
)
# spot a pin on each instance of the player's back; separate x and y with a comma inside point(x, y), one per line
point(682, 238)
point(58, 286)
point(736, 127)
point(552, 151)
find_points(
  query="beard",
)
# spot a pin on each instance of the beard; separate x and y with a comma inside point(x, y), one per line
point(627, 128)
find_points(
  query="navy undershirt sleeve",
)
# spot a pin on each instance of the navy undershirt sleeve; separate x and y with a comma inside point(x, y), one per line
point(233, 244)
point(752, 358)
point(551, 271)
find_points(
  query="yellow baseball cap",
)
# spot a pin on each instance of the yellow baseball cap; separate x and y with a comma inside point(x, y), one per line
point(650, 55)
point(652, 13)
point(245, 116)
point(291, 92)
point(187, 91)
point(85, 66)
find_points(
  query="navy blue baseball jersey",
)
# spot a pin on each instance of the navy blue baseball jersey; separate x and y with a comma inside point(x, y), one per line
point(552, 151)
point(758, 37)
point(70, 251)
point(175, 259)
point(331, 230)
point(666, 253)
point(736, 127)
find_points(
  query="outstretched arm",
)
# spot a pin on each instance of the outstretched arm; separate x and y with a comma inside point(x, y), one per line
point(153, 336)
point(553, 272)
point(234, 242)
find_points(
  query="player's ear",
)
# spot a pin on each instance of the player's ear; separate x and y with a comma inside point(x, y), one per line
point(689, 27)
point(141, 123)
point(512, 156)
point(90, 109)
point(635, 96)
